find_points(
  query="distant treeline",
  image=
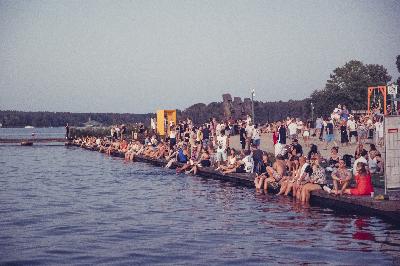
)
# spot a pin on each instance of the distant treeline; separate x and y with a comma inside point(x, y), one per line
point(264, 111)
point(199, 113)
point(347, 85)
point(58, 119)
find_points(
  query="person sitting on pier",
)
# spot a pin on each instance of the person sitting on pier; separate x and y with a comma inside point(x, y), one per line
point(363, 181)
point(293, 168)
point(231, 162)
point(132, 151)
point(123, 147)
point(333, 159)
point(363, 158)
point(275, 173)
point(313, 151)
point(245, 165)
point(114, 146)
point(262, 172)
point(204, 161)
point(375, 163)
point(128, 151)
point(159, 151)
point(183, 157)
point(149, 150)
point(171, 157)
point(317, 179)
point(342, 176)
point(301, 178)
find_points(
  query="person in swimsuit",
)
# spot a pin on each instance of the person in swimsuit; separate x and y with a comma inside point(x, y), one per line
point(276, 172)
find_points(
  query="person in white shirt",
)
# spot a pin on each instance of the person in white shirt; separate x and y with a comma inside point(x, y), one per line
point(292, 130)
point(255, 136)
point(246, 165)
point(249, 133)
point(248, 119)
point(363, 158)
point(352, 126)
point(379, 132)
point(218, 129)
point(221, 147)
point(299, 125)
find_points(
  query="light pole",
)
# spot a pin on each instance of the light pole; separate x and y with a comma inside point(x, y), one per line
point(312, 114)
point(252, 105)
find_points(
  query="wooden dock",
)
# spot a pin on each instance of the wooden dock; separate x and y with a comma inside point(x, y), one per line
point(386, 209)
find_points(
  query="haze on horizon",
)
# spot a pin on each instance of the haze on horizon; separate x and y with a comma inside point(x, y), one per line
point(139, 56)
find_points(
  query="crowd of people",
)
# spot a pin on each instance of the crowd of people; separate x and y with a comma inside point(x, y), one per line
point(290, 170)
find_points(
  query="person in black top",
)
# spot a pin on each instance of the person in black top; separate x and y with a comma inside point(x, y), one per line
point(299, 149)
point(206, 136)
point(262, 173)
point(67, 131)
point(313, 151)
point(257, 158)
point(282, 134)
point(344, 137)
point(242, 136)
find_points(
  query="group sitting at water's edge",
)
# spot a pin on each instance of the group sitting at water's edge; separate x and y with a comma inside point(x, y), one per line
point(194, 148)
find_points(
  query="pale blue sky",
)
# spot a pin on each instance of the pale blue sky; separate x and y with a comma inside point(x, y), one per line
point(139, 56)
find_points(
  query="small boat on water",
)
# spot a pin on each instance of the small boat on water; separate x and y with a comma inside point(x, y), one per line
point(29, 127)
point(26, 143)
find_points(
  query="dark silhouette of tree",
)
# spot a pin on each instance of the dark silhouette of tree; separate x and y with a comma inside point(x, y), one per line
point(348, 85)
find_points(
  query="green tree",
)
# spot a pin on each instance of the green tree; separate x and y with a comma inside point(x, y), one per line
point(348, 85)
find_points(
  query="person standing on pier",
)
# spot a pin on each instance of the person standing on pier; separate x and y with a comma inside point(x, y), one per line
point(67, 131)
point(242, 136)
point(282, 133)
point(222, 141)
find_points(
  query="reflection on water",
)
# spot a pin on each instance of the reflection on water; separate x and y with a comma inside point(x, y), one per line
point(67, 205)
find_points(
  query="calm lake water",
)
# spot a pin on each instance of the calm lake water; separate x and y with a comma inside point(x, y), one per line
point(26, 133)
point(62, 205)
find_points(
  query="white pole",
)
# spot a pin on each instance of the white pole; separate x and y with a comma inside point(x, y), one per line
point(385, 145)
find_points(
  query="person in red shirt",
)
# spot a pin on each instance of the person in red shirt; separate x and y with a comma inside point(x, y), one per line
point(275, 136)
point(363, 182)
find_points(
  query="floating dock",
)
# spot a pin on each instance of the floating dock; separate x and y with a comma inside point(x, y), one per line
point(386, 209)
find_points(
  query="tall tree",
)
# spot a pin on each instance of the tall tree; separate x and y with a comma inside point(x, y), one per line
point(348, 85)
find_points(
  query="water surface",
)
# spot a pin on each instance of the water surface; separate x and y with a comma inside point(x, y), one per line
point(63, 205)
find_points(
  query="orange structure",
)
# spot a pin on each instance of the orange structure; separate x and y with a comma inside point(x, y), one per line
point(380, 89)
point(164, 118)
